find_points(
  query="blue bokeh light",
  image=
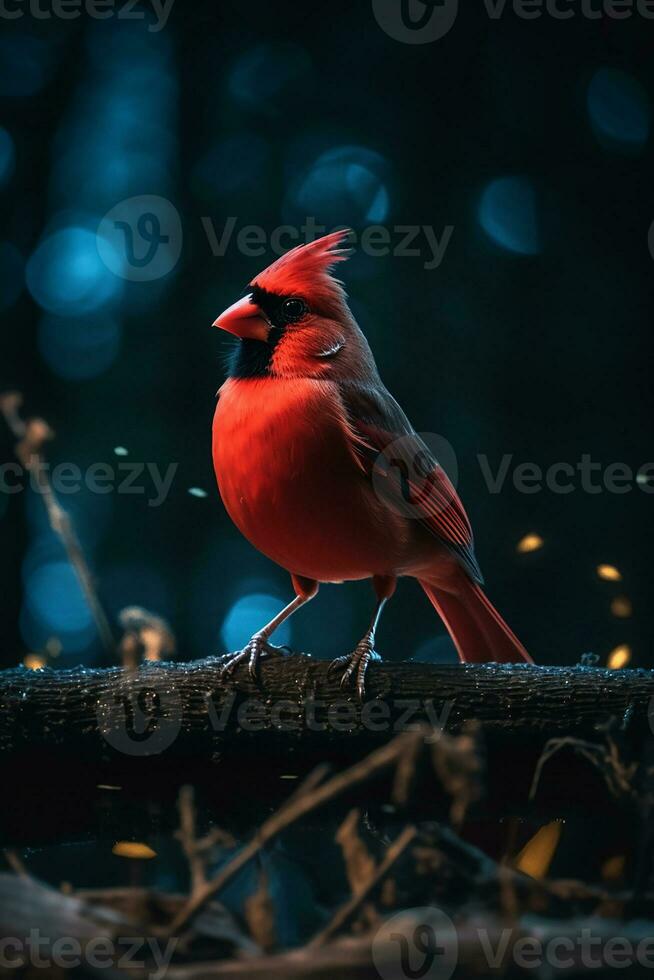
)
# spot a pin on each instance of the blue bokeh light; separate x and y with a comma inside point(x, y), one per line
point(269, 73)
point(508, 215)
point(619, 109)
point(66, 275)
point(12, 274)
point(248, 615)
point(56, 606)
point(116, 141)
point(345, 185)
point(118, 135)
point(7, 156)
point(81, 348)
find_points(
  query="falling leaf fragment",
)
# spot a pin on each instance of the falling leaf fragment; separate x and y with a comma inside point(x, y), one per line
point(530, 542)
point(536, 856)
point(133, 849)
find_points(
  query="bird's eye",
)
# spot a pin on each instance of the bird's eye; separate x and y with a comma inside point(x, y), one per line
point(293, 309)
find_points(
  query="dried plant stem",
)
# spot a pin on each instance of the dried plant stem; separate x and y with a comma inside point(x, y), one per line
point(187, 836)
point(15, 862)
point(346, 912)
point(30, 437)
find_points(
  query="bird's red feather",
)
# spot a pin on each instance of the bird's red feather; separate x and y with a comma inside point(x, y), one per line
point(306, 271)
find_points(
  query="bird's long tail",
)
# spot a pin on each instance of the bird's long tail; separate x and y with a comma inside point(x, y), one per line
point(479, 633)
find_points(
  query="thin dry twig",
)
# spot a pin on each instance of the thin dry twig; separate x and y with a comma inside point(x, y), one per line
point(31, 436)
point(195, 848)
point(346, 912)
point(187, 838)
point(606, 759)
point(16, 864)
point(359, 864)
point(459, 768)
point(259, 914)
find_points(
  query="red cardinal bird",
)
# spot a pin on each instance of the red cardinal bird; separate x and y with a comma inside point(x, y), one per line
point(321, 470)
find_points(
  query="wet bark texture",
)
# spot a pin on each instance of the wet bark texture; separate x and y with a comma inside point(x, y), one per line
point(160, 705)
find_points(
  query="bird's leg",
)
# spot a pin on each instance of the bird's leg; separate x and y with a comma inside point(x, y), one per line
point(258, 645)
point(363, 653)
point(357, 662)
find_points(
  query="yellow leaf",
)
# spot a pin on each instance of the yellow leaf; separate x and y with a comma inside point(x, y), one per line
point(133, 849)
point(536, 856)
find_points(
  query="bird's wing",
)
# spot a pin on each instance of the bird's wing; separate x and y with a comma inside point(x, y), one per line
point(405, 472)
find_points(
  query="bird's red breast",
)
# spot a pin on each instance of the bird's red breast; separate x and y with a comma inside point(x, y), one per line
point(292, 480)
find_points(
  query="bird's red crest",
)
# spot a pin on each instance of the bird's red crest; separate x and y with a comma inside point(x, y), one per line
point(306, 270)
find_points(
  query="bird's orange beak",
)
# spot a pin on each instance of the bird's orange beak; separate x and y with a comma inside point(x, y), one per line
point(244, 319)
